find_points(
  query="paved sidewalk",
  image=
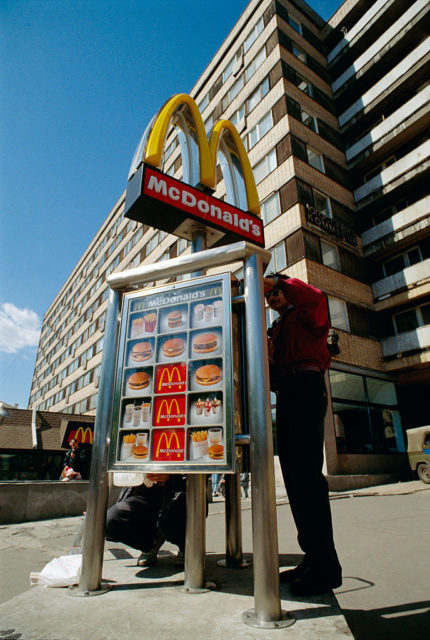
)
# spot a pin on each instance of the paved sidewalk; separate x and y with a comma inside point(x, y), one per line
point(144, 603)
point(150, 603)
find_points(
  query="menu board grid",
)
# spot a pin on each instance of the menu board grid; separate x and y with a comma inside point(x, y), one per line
point(173, 385)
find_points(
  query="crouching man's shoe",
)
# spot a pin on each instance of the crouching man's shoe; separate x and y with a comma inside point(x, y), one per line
point(314, 583)
point(149, 558)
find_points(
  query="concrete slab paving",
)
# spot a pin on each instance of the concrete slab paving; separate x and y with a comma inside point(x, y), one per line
point(151, 603)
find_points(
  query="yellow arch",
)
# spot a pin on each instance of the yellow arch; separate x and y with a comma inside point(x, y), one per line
point(207, 150)
point(215, 138)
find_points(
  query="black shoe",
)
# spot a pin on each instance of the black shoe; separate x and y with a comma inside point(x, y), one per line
point(312, 583)
point(290, 575)
point(149, 558)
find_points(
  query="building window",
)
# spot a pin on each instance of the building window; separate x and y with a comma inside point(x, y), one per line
point(209, 123)
point(183, 243)
point(338, 314)
point(315, 159)
point(278, 260)
point(265, 166)
point(228, 70)
point(260, 129)
point(303, 84)
point(322, 203)
point(309, 120)
point(270, 208)
point(330, 255)
point(204, 103)
point(255, 63)
point(258, 94)
point(232, 92)
point(258, 28)
point(412, 319)
point(296, 25)
point(402, 261)
point(299, 53)
point(365, 413)
point(238, 115)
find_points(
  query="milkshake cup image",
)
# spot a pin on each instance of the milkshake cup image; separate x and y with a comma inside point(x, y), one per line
point(137, 414)
point(208, 313)
point(218, 308)
point(215, 435)
point(146, 411)
point(198, 312)
point(141, 439)
point(128, 413)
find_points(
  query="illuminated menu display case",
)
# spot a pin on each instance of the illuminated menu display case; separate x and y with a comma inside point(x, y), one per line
point(173, 399)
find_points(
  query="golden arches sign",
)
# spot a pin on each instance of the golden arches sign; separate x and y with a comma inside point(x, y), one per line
point(168, 443)
point(208, 149)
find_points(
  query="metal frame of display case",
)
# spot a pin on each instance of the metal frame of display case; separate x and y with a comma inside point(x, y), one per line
point(267, 612)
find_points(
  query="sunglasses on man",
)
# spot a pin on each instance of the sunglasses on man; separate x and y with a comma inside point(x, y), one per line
point(272, 292)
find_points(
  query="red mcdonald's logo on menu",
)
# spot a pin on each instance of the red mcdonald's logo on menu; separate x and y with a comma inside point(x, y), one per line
point(171, 378)
point(81, 435)
point(169, 411)
point(169, 444)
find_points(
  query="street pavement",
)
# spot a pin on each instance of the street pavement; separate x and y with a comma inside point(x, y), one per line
point(372, 530)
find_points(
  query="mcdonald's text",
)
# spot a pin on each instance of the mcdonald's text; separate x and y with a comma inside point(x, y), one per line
point(168, 197)
point(169, 445)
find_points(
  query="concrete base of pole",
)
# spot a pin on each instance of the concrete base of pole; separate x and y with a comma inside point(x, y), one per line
point(231, 563)
point(249, 618)
point(208, 586)
point(76, 592)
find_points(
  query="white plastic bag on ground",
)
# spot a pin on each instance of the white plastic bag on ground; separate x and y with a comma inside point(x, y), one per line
point(61, 572)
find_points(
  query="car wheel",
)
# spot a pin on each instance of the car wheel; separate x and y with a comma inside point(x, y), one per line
point(423, 471)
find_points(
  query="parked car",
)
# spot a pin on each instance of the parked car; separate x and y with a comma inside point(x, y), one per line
point(419, 451)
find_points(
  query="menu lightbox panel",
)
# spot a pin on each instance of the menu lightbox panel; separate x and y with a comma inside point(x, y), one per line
point(173, 392)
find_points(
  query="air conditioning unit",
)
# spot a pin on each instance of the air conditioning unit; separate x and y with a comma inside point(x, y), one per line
point(96, 381)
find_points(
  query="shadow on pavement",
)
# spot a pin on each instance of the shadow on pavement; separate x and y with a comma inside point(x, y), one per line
point(411, 620)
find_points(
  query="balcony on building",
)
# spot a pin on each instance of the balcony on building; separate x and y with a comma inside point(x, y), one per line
point(411, 222)
point(396, 41)
point(411, 341)
point(405, 279)
point(402, 170)
point(401, 76)
point(405, 121)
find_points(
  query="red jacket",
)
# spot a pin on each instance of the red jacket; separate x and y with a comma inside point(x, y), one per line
point(299, 336)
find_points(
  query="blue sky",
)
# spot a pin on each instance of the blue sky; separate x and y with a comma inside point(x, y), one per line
point(80, 80)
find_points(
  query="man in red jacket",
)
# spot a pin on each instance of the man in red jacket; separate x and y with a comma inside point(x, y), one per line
point(298, 358)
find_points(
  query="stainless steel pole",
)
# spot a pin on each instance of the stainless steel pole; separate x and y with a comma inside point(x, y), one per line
point(98, 493)
point(233, 524)
point(195, 534)
point(267, 610)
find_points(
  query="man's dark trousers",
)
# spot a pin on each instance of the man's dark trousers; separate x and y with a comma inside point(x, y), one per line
point(300, 410)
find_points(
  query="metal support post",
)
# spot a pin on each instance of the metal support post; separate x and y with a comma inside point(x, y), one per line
point(267, 612)
point(98, 492)
point(233, 525)
point(195, 534)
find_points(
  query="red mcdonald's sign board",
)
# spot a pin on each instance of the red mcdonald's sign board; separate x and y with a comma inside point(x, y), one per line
point(169, 411)
point(170, 378)
point(168, 445)
point(83, 432)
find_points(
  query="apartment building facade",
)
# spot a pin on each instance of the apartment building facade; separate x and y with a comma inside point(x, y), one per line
point(334, 117)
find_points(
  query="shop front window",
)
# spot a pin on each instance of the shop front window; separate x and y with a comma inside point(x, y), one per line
point(365, 414)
